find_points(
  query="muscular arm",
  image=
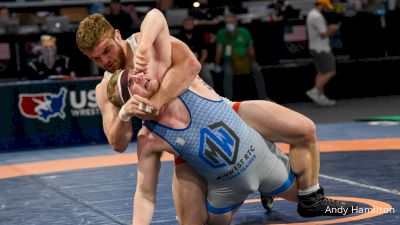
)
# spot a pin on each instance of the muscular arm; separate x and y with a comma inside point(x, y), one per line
point(185, 67)
point(147, 179)
point(154, 35)
point(181, 65)
point(178, 78)
point(119, 133)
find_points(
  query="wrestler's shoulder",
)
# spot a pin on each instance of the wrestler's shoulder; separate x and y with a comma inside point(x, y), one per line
point(102, 85)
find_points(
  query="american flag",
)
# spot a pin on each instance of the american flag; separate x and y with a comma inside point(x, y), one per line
point(5, 53)
point(293, 33)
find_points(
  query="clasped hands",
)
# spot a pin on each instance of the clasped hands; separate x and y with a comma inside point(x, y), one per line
point(139, 106)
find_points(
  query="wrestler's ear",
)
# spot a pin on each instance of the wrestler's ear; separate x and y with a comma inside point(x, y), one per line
point(117, 35)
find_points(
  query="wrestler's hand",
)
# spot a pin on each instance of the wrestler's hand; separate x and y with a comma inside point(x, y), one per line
point(141, 59)
point(140, 107)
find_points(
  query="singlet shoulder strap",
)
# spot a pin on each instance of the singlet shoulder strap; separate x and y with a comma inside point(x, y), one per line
point(132, 42)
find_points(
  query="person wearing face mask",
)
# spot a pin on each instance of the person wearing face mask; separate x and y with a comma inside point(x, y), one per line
point(194, 40)
point(49, 62)
point(235, 54)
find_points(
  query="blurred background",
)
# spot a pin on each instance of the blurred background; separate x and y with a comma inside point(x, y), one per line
point(42, 32)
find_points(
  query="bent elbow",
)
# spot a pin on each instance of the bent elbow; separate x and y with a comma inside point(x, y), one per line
point(195, 66)
point(118, 147)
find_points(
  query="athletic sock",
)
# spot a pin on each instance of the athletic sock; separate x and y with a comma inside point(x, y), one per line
point(309, 190)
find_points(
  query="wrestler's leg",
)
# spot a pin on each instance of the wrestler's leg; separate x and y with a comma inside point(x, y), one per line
point(189, 192)
point(277, 123)
point(291, 193)
point(221, 219)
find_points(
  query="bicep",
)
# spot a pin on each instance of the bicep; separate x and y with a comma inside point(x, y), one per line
point(162, 46)
point(180, 51)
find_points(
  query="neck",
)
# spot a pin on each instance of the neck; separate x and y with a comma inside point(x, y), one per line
point(129, 55)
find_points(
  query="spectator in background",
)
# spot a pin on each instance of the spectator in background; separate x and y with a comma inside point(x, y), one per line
point(136, 20)
point(374, 6)
point(9, 22)
point(236, 50)
point(4, 17)
point(49, 62)
point(4, 14)
point(97, 7)
point(320, 49)
point(281, 10)
point(119, 19)
point(164, 5)
point(203, 14)
point(195, 41)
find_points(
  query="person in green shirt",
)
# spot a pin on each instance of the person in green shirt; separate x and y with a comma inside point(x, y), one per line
point(235, 54)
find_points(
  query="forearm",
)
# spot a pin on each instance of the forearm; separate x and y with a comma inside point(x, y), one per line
point(175, 82)
point(185, 68)
point(119, 134)
point(252, 53)
point(329, 32)
point(326, 34)
point(153, 24)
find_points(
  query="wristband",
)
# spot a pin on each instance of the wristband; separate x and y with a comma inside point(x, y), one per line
point(122, 114)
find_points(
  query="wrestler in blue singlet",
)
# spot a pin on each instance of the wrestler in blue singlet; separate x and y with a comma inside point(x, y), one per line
point(232, 156)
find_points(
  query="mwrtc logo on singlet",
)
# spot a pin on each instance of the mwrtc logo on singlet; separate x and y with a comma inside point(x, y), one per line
point(218, 145)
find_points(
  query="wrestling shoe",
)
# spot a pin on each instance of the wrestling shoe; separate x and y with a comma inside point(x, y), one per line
point(267, 201)
point(316, 204)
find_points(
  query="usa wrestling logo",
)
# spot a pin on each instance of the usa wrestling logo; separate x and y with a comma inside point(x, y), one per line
point(43, 106)
point(218, 145)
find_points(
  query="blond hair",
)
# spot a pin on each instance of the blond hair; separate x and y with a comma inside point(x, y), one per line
point(92, 30)
point(111, 89)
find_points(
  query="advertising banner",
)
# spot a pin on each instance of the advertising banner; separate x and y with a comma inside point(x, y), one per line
point(49, 113)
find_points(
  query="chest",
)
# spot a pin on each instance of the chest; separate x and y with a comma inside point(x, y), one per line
point(175, 116)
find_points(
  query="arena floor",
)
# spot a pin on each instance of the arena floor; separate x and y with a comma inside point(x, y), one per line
point(93, 185)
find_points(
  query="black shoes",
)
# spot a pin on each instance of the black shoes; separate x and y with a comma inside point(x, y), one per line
point(267, 201)
point(316, 204)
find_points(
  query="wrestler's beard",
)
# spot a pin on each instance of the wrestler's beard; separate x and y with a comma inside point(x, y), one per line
point(121, 59)
point(121, 56)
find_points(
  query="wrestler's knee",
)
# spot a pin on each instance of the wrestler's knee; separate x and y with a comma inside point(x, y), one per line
point(193, 218)
point(308, 132)
point(214, 219)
